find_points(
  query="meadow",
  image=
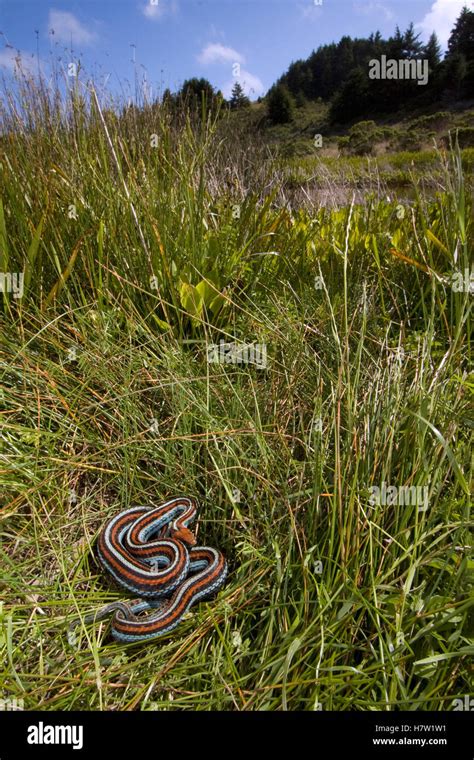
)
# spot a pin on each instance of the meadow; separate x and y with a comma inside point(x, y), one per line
point(146, 235)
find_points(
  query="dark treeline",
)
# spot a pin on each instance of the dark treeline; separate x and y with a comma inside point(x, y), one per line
point(340, 72)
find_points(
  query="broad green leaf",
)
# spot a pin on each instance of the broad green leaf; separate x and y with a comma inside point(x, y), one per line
point(206, 291)
point(217, 303)
point(161, 323)
point(191, 299)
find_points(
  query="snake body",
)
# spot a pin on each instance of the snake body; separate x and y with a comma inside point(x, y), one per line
point(151, 552)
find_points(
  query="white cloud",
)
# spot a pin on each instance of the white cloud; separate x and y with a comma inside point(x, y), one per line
point(310, 11)
point(156, 10)
point(217, 53)
point(66, 27)
point(153, 11)
point(374, 9)
point(441, 19)
point(251, 85)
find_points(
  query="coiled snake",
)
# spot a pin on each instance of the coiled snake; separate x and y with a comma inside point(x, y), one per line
point(151, 552)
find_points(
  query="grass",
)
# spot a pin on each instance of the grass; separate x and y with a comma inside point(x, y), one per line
point(332, 602)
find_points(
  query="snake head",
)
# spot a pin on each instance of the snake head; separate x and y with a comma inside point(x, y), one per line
point(185, 535)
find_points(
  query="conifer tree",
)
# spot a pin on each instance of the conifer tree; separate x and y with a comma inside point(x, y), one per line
point(432, 51)
point(280, 105)
point(238, 97)
point(461, 40)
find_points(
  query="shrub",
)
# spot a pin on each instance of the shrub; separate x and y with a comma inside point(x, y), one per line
point(362, 138)
point(435, 121)
point(343, 144)
point(280, 105)
point(465, 137)
point(409, 140)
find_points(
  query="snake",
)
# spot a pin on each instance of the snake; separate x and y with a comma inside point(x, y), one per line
point(151, 552)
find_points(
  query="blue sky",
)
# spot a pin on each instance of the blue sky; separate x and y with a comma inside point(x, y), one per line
point(166, 41)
